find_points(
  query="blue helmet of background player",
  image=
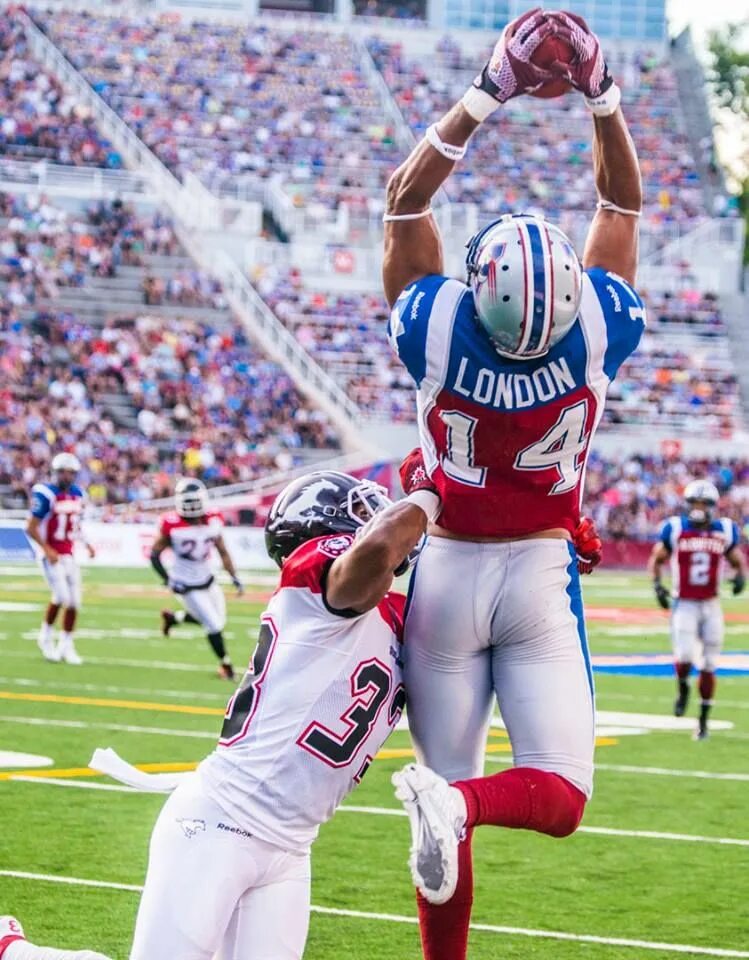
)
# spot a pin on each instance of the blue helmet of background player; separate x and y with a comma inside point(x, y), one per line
point(320, 503)
point(527, 284)
point(701, 497)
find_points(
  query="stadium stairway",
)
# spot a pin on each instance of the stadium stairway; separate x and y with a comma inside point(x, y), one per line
point(736, 312)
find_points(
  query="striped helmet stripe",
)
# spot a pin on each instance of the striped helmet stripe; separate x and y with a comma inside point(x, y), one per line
point(526, 326)
point(540, 299)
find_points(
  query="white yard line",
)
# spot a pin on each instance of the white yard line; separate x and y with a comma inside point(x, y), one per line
point(648, 771)
point(598, 831)
point(61, 684)
point(79, 784)
point(119, 662)
point(113, 727)
point(398, 918)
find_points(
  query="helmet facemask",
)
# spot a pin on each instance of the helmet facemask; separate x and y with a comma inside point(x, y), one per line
point(191, 500)
point(700, 512)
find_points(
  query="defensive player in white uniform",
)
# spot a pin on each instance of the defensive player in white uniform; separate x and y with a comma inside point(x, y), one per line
point(696, 543)
point(229, 863)
point(512, 369)
point(55, 527)
point(193, 532)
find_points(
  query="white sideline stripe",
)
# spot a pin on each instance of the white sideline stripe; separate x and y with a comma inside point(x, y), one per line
point(648, 771)
point(397, 918)
point(600, 831)
point(97, 687)
point(120, 662)
point(114, 727)
point(81, 785)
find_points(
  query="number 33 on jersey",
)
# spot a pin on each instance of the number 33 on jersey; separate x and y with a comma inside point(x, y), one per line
point(506, 441)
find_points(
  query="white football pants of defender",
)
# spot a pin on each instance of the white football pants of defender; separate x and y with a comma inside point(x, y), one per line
point(502, 619)
point(64, 579)
point(694, 622)
point(208, 606)
point(211, 888)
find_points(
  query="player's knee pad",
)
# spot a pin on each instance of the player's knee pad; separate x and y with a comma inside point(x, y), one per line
point(563, 808)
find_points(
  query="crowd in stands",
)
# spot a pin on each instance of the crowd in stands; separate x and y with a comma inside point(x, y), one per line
point(227, 101)
point(630, 498)
point(414, 10)
point(205, 401)
point(38, 119)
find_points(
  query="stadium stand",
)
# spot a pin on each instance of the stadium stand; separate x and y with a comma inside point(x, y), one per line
point(38, 120)
point(141, 392)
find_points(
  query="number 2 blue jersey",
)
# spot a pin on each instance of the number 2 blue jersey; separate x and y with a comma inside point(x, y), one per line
point(506, 441)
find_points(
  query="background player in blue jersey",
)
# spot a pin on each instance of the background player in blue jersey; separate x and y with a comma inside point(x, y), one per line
point(696, 543)
point(511, 368)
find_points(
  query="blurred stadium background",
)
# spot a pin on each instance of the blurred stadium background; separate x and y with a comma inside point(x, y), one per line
point(190, 232)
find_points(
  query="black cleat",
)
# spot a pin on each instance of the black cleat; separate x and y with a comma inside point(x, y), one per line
point(168, 620)
point(680, 705)
point(702, 733)
point(226, 671)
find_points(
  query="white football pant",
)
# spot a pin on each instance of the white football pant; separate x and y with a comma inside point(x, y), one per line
point(502, 619)
point(208, 606)
point(64, 579)
point(696, 623)
point(211, 888)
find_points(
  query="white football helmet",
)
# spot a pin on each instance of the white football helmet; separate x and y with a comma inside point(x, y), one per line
point(66, 461)
point(701, 492)
point(527, 284)
point(190, 498)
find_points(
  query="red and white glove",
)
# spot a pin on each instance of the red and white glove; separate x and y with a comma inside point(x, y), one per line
point(509, 72)
point(588, 71)
point(414, 474)
point(588, 546)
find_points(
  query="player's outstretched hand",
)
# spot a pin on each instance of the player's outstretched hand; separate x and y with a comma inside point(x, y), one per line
point(414, 474)
point(738, 583)
point(661, 595)
point(509, 71)
point(238, 585)
point(588, 72)
point(588, 546)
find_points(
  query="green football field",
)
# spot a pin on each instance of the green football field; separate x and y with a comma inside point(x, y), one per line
point(659, 869)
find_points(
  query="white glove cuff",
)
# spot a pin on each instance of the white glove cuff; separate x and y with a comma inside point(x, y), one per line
point(428, 501)
point(606, 104)
point(479, 104)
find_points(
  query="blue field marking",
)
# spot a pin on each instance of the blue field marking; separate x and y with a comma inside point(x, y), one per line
point(732, 664)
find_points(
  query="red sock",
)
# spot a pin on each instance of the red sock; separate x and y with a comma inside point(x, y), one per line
point(683, 670)
point(525, 798)
point(52, 610)
point(68, 619)
point(707, 685)
point(444, 928)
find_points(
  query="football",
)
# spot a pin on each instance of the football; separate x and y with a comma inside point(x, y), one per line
point(552, 49)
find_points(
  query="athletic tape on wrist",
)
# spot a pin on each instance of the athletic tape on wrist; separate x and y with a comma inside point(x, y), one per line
point(388, 217)
point(608, 205)
point(606, 104)
point(448, 150)
point(428, 501)
point(479, 104)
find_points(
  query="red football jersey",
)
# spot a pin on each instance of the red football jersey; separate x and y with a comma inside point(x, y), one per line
point(506, 441)
point(60, 512)
point(697, 555)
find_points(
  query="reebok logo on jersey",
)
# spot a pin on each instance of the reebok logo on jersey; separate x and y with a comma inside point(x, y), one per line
point(238, 830)
point(415, 305)
point(615, 297)
point(513, 391)
point(191, 828)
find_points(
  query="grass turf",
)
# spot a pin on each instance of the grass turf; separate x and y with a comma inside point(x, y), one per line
point(637, 888)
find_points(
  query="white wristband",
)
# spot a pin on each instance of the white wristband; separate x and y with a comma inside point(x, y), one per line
point(428, 501)
point(608, 205)
point(448, 150)
point(389, 217)
point(479, 104)
point(606, 104)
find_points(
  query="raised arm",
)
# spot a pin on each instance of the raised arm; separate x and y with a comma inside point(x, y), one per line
point(613, 236)
point(413, 248)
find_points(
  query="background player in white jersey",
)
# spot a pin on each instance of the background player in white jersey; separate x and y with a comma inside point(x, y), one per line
point(229, 862)
point(512, 369)
point(696, 543)
point(193, 532)
point(55, 527)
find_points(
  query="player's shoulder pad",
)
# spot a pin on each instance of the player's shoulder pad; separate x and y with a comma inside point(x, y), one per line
point(670, 531)
point(409, 322)
point(624, 315)
point(77, 491)
point(731, 532)
point(168, 522)
point(42, 497)
point(306, 566)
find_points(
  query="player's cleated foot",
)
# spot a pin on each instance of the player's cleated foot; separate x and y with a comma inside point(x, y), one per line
point(702, 732)
point(437, 814)
point(226, 671)
point(68, 654)
point(681, 703)
point(168, 620)
point(50, 650)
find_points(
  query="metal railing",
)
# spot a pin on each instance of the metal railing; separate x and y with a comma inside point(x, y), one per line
point(55, 178)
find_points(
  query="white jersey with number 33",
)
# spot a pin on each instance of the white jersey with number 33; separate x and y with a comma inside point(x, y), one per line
point(322, 694)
